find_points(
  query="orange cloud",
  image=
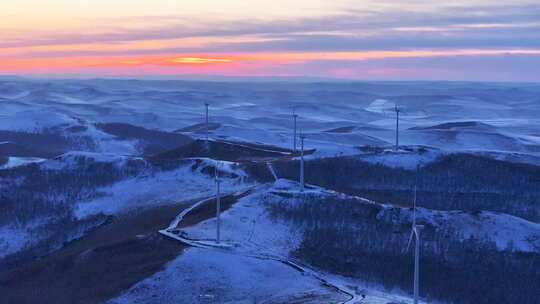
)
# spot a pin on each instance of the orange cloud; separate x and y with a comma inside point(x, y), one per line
point(198, 60)
point(223, 62)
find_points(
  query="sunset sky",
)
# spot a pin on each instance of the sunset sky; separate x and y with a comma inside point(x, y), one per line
point(379, 40)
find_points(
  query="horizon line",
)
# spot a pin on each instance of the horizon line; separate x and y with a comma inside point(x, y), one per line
point(257, 78)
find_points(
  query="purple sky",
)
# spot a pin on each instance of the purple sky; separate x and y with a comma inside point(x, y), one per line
point(360, 39)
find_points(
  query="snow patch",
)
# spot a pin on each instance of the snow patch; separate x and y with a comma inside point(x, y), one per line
point(507, 232)
point(400, 159)
point(380, 106)
point(70, 159)
point(12, 240)
point(248, 225)
point(21, 161)
point(213, 276)
point(159, 188)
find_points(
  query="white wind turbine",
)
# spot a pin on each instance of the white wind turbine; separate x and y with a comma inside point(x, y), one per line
point(415, 232)
point(295, 117)
point(218, 205)
point(398, 110)
point(206, 127)
point(302, 183)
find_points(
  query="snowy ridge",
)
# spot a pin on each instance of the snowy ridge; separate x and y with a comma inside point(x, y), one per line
point(250, 235)
point(248, 232)
point(507, 232)
point(251, 247)
point(70, 159)
point(256, 114)
point(400, 159)
point(217, 276)
point(180, 184)
point(21, 161)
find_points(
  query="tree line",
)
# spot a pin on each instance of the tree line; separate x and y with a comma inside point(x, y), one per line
point(368, 242)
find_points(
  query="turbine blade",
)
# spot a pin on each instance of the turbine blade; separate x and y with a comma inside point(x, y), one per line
point(410, 241)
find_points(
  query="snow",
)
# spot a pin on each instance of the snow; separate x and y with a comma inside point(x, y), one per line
point(248, 231)
point(69, 99)
point(213, 276)
point(21, 161)
point(156, 189)
point(31, 120)
point(98, 157)
point(107, 143)
point(380, 106)
point(369, 294)
point(15, 237)
point(261, 112)
point(507, 232)
point(222, 165)
point(69, 160)
point(532, 139)
point(12, 240)
point(335, 145)
point(400, 159)
point(248, 225)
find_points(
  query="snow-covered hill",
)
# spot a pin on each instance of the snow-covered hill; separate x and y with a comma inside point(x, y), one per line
point(265, 226)
point(250, 224)
point(189, 181)
point(452, 116)
point(78, 154)
point(77, 190)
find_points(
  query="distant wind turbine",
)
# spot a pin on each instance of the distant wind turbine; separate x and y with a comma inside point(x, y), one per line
point(206, 128)
point(415, 232)
point(218, 206)
point(295, 116)
point(302, 184)
point(397, 109)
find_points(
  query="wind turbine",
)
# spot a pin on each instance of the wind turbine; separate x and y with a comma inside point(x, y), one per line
point(295, 116)
point(302, 184)
point(206, 128)
point(397, 109)
point(415, 232)
point(218, 205)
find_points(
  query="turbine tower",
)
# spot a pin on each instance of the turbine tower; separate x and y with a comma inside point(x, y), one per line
point(302, 184)
point(218, 206)
point(397, 109)
point(206, 128)
point(415, 232)
point(295, 116)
